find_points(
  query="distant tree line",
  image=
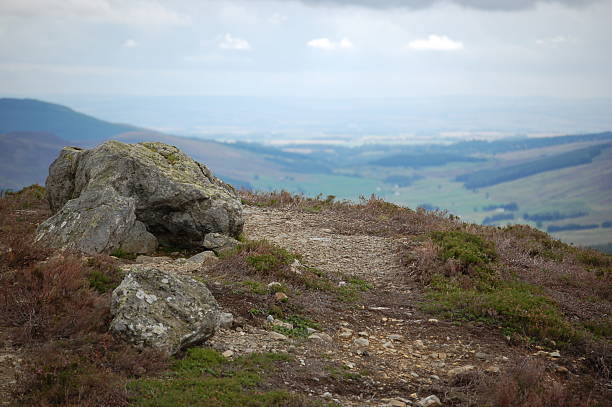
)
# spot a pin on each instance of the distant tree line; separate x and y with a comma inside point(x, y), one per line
point(552, 216)
point(422, 160)
point(496, 218)
point(489, 177)
point(512, 206)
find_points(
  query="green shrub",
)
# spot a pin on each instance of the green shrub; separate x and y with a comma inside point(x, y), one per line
point(467, 248)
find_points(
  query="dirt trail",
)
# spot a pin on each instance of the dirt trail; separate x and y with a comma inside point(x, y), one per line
point(409, 355)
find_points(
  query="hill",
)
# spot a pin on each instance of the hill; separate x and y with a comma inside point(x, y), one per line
point(29, 115)
point(333, 304)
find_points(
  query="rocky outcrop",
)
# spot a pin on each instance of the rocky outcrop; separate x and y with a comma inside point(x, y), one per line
point(163, 310)
point(136, 192)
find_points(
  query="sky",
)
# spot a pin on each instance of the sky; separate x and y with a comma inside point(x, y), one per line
point(314, 48)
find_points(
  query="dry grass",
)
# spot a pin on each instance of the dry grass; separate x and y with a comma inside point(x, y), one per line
point(57, 308)
point(527, 383)
point(371, 215)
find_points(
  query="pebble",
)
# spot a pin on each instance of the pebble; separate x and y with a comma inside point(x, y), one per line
point(327, 395)
point(278, 336)
point(395, 403)
point(274, 284)
point(555, 354)
point(270, 318)
point(346, 333)
point(419, 343)
point(395, 337)
point(361, 342)
point(433, 321)
point(388, 345)
point(430, 401)
point(562, 370)
point(460, 370)
point(493, 369)
point(434, 377)
point(321, 336)
point(363, 333)
point(280, 296)
point(228, 353)
point(481, 356)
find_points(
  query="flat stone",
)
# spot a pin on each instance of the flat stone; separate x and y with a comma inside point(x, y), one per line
point(361, 342)
point(430, 401)
point(277, 336)
point(460, 370)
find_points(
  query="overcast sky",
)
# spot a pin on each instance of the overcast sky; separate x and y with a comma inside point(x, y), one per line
point(373, 48)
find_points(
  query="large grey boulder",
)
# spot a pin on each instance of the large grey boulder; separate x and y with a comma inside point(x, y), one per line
point(175, 198)
point(97, 222)
point(167, 311)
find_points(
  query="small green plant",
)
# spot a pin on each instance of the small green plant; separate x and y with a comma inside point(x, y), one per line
point(300, 326)
point(122, 254)
point(467, 248)
point(255, 287)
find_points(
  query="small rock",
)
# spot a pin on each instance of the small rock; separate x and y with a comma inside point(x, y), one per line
point(270, 318)
point(310, 330)
point(346, 333)
point(226, 320)
point(555, 354)
point(433, 321)
point(228, 353)
point(219, 242)
point(481, 356)
point(203, 257)
point(395, 337)
point(460, 370)
point(361, 342)
point(327, 395)
point(493, 369)
point(434, 377)
point(363, 333)
point(562, 370)
point(388, 345)
point(395, 403)
point(430, 401)
point(280, 296)
point(274, 284)
point(350, 365)
point(323, 336)
point(278, 336)
point(419, 343)
point(413, 374)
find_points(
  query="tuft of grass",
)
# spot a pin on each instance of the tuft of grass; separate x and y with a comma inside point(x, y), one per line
point(205, 378)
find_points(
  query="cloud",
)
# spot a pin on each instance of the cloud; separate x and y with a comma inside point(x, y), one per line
point(419, 4)
point(435, 43)
point(277, 18)
point(557, 41)
point(143, 12)
point(130, 43)
point(232, 43)
point(328, 45)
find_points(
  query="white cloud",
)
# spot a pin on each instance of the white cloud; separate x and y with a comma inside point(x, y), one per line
point(277, 18)
point(555, 41)
point(143, 12)
point(328, 45)
point(435, 43)
point(130, 43)
point(232, 43)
